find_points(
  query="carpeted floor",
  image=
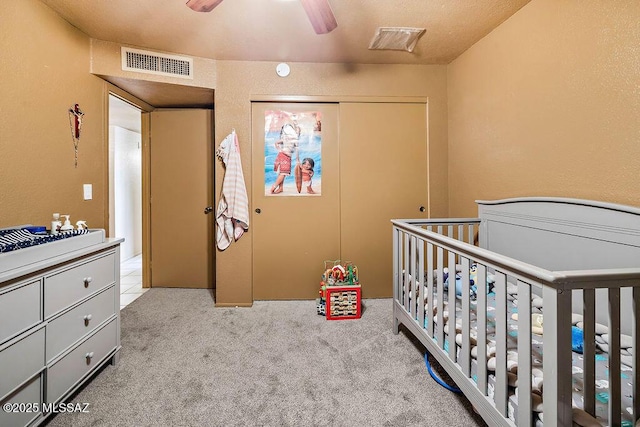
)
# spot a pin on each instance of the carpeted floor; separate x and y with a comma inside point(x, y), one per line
point(186, 363)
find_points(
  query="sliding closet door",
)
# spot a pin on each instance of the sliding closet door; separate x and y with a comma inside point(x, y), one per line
point(383, 171)
point(293, 231)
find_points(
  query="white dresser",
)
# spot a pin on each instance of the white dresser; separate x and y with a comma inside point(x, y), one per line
point(59, 322)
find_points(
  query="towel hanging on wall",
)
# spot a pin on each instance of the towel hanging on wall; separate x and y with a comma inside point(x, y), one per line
point(232, 216)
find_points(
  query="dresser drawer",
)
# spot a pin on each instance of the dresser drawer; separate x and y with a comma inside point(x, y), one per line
point(65, 373)
point(79, 281)
point(20, 308)
point(25, 401)
point(20, 360)
point(65, 330)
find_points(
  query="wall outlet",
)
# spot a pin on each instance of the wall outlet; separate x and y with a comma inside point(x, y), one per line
point(88, 191)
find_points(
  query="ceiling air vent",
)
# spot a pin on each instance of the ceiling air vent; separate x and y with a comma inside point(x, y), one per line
point(396, 38)
point(143, 61)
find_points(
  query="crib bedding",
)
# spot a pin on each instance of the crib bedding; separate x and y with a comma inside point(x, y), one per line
point(601, 363)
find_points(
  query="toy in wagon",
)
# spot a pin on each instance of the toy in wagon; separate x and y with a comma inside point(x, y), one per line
point(340, 291)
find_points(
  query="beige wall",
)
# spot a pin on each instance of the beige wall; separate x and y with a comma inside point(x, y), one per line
point(548, 104)
point(237, 82)
point(45, 71)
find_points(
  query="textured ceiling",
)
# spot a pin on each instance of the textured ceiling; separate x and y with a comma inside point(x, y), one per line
point(278, 30)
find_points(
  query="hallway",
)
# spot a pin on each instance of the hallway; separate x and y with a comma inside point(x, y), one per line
point(131, 280)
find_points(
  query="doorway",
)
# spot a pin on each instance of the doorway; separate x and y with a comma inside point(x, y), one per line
point(161, 99)
point(125, 193)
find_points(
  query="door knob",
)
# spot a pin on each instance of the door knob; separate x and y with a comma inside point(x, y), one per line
point(422, 209)
point(258, 210)
point(208, 210)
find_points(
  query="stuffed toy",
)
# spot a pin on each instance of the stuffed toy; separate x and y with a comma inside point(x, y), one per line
point(473, 278)
point(577, 339)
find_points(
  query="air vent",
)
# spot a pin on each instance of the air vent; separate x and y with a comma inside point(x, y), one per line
point(396, 38)
point(143, 61)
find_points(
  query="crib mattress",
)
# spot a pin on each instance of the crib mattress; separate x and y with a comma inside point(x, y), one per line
point(537, 355)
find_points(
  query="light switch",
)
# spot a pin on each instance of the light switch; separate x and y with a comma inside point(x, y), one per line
point(88, 191)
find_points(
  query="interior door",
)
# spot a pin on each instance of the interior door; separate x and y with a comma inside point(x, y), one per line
point(181, 188)
point(293, 232)
point(383, 171)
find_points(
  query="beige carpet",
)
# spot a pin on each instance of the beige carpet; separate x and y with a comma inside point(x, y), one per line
point(186, 363)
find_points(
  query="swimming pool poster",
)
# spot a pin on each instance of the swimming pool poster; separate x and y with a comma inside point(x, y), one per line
point(292, 153)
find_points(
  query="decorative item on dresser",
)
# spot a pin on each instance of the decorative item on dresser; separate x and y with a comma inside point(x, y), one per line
point(59, 322)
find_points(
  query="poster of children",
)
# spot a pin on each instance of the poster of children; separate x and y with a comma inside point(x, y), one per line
point(292, 153)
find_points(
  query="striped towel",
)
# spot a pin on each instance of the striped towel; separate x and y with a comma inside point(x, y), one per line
point(232, 216)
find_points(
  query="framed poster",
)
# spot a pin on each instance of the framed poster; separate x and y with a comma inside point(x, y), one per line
point(292, 153)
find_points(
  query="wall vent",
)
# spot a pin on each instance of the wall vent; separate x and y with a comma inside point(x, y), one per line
point(143, 61)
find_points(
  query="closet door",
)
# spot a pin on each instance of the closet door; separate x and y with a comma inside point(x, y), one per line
point(383, 172)
point(293, 232)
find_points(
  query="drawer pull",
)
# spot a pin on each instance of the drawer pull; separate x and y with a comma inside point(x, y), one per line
point(87, 318)
point(87, 280)
point(89, 356)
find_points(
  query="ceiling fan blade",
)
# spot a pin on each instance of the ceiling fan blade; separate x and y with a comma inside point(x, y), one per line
point(203, 5)
point(320, 15)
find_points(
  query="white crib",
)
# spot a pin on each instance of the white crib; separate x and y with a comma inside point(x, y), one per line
point(580, 258)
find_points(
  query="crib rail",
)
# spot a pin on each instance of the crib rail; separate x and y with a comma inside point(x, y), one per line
point(423, 251)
